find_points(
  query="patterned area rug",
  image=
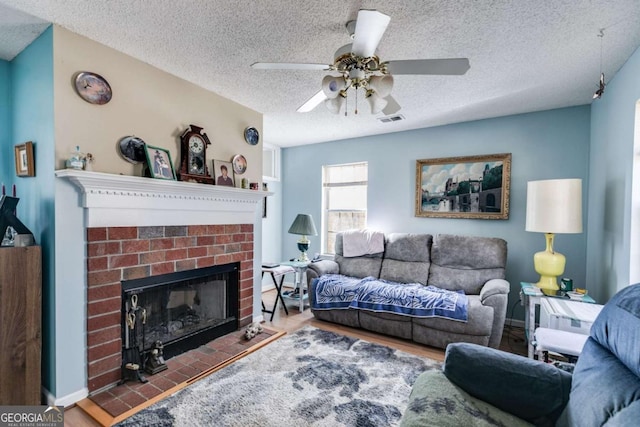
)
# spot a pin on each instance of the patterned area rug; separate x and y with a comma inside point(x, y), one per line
point(309, 378)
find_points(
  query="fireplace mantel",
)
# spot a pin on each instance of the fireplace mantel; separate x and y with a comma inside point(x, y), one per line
point(111, 200)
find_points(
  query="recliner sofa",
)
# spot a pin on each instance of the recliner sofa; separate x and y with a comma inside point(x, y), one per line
point(475, 265)
point(483, 386)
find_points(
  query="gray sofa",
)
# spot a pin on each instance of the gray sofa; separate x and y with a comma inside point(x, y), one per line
point(475, 265)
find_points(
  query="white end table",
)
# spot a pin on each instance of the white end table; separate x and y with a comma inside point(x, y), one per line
point(531, 295)
point(301, 269)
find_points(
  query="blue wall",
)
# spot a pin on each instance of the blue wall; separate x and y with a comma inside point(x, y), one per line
point(544, 145)
point(33, 120)
point(7, 171)
point(612, 154)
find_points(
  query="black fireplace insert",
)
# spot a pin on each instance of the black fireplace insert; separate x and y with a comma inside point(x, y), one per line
point(182, 310)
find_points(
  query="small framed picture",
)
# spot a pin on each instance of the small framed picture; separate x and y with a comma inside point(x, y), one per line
point(223, 173)
point(25, 164)
point(159, 162)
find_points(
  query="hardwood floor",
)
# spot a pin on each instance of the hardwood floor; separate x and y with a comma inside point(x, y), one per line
point(512, 341)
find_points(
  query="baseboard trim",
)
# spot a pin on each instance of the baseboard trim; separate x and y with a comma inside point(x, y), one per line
point(64, 401)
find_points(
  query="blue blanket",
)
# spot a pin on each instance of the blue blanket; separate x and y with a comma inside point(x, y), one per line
point(335, 291)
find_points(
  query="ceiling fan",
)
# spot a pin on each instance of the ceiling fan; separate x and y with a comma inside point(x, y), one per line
point(357, 67)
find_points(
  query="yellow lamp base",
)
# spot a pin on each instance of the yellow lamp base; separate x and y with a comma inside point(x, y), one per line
point(549, 265)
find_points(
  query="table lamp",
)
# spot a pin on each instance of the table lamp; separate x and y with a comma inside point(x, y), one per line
point(553, 206)
point(304, 226)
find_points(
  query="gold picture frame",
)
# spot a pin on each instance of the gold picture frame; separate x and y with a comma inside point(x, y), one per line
point(464, 187)
point(25, 163)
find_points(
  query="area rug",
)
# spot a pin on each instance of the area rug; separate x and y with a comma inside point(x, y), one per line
point(311, 377)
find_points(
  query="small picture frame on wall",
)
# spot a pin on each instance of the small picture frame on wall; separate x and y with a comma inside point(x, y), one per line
point(159, 162)
point(223, 173)
point(25, 163)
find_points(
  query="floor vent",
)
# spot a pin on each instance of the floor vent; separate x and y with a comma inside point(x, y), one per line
point(389, 119)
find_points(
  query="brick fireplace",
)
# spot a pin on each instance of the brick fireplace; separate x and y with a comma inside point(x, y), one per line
point(137, 227)
point(123, 253)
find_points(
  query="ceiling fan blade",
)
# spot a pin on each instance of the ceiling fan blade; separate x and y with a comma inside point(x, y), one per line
point(451, 66)
point(312, 103)
point(289, 66)
point(370, 26)
point(392, 106)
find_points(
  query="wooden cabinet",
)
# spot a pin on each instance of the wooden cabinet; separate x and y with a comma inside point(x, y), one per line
point(20, 325)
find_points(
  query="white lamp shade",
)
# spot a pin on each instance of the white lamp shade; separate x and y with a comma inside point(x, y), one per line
point(554, 206)
point(382, 85)
point(376, 102)
point(334, 105)
point(332, 85)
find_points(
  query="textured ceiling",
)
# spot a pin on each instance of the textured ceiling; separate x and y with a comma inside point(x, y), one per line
point(524, 55)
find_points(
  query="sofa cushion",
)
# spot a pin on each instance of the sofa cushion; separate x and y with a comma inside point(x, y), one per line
point(495, 377)
point(437, 402)
point(466, 262)
point(479, 320)
point(386, 323)
point(361, 266)
point(406, 258)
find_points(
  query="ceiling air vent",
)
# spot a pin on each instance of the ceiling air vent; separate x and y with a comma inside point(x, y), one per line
point(389, 119)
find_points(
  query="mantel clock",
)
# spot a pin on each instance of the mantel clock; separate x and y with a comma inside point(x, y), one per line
point(193, 156)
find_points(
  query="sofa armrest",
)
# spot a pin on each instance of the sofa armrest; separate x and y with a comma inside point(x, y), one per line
point(494, 287)
point(317, 269)
point(495, 293)
point(534, 391)
point(325, 266)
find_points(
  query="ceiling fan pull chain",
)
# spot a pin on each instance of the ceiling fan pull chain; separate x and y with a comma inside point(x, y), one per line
point(346, 103)
point(356, 109)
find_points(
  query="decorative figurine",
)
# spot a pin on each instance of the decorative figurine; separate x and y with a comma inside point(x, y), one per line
point(88, 164)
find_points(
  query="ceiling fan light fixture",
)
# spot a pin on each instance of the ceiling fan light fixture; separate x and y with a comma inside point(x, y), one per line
point(332, 85)
point(335, 104)
point(382, 85)
point(376, 102)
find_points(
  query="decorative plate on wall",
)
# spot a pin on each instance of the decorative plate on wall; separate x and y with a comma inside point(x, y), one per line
point(131, 148)
point(251, 135)
point(239, 164)
point(93, 88)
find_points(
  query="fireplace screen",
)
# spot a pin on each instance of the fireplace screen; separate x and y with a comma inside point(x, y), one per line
point(181, 310)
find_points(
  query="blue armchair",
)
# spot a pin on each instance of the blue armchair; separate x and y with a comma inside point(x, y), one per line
point(482, 386)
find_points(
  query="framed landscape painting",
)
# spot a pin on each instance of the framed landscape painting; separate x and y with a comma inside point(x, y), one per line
point(464, 187)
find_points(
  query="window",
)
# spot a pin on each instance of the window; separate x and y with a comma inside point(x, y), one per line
point(344, 201)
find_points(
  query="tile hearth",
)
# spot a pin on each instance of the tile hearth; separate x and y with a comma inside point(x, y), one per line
point(124, 400)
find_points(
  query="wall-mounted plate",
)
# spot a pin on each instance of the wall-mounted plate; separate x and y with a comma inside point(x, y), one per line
point(251, 135)
point(131, 148)
point(93, 88)
point(239, 164)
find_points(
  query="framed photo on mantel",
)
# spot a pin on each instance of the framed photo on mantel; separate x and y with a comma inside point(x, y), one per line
point(464, 187)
